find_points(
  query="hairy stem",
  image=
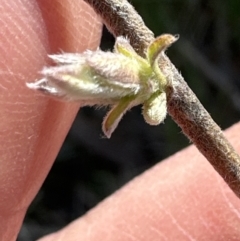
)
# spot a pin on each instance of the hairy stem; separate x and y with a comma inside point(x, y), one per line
point(121, 19)
point(184, 107)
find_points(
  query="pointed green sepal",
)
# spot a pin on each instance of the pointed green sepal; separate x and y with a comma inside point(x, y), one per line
point(159, 45)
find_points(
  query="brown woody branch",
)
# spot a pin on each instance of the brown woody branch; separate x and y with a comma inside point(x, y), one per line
point(184, 107)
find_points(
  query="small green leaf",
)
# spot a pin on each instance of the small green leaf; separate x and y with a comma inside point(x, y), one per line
point(115, 114)
point(159, 45)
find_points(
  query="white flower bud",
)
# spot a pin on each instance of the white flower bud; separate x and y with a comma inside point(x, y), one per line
point(155, 109)
point(122, 79)
point(90, 76)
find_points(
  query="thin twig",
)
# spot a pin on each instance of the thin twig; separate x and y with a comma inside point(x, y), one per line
point(184, 107)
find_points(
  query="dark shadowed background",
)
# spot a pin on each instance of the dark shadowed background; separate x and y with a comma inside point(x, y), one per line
point(90, 167)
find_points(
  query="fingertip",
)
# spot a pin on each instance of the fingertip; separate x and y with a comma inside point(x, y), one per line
point(182, 198)
point(33, 127)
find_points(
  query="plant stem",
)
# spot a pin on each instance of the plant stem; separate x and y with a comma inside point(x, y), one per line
point(184, 107)
point(121, 19)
